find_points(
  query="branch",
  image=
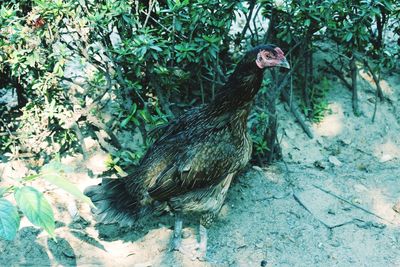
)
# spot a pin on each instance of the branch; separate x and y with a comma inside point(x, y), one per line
point(78, 133)
point(354, 75)
point(350, 203)
point(339, 74)
point(151, 5)
point(183, 37)
point(296, 113)
point(248, 18)
point(376, 80)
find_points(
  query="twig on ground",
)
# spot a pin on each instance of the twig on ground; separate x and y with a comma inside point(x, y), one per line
point(352, 204)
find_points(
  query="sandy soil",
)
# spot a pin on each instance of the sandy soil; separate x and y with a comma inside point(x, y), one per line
point(330, 203)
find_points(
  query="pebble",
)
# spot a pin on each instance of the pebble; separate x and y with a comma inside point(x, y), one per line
point(259, 245)
point(385, 158)
point(334, 160)
point(320, 164)
point(346, 141)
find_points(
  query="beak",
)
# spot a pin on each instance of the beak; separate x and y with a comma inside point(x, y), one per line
point(284, 64)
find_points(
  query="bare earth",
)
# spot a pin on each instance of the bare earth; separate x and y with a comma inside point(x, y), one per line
point(331, 203)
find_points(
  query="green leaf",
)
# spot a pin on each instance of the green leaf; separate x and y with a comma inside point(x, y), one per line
point(54, 173)
point(58, 70)
point(9, 220)
point(35, 207)
point(348, 36)
point(128, 119)
point(157, 48)
point(2, 191)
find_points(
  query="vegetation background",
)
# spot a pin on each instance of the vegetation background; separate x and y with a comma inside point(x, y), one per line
point(114, 70)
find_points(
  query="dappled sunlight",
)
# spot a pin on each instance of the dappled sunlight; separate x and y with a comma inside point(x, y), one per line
point(97, 163)
point(383, 208)
point(15, 169)
point(386, 88)
point(332, 124)
point(387, 151)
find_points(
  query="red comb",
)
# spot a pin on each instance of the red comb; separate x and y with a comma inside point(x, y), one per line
point(279, 52)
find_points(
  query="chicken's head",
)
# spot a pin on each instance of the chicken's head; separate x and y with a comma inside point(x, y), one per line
point(269, 56)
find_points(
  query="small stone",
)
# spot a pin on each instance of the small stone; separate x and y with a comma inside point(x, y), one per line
point(263, 263)
point(334, 160)
point(259, 245)
point(385, 158)
point(320, 164)
point(347, 141)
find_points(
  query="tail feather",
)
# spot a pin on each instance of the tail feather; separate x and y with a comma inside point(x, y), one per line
point(114, 202)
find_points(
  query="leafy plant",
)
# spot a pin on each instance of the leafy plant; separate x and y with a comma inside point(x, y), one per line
point(32, 203)
point(320, 105)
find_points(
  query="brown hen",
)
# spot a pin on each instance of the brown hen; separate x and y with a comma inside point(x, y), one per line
point(189, 168)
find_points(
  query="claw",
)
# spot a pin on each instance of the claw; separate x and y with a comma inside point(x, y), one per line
point(194, 251)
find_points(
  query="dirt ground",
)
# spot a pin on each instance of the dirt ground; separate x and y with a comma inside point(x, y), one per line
point(330, 203)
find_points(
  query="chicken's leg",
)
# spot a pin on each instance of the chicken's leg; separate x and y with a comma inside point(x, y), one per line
point(194, 251)
point(202, 249)
point(177, 239)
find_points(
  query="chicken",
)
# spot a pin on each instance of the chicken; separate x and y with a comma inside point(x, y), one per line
point(189, 168)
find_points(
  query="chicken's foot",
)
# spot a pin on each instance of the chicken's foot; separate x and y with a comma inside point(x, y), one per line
point(194, 251)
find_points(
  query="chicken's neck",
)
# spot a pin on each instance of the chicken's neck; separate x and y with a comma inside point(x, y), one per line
point(236, 96)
